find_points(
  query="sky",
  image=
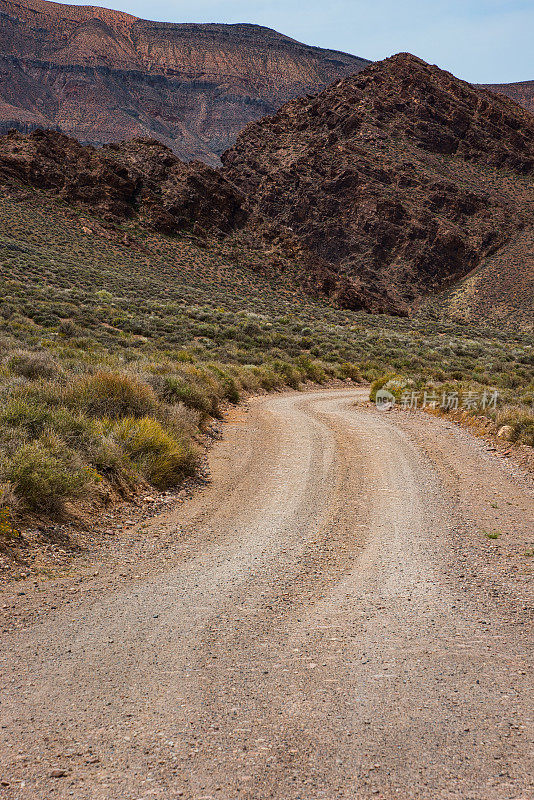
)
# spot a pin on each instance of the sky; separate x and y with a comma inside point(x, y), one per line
point(482, 41)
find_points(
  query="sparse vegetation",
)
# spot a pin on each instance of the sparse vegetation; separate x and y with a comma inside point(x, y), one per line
point(521, 421)
point(114, 357)
point(510, 409)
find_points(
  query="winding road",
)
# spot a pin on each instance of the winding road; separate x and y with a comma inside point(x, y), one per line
point(335, 624)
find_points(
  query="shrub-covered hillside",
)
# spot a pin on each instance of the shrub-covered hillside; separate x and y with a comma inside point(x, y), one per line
point(117, 345)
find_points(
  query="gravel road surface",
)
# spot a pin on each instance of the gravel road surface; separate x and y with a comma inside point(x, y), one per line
point(335, 622)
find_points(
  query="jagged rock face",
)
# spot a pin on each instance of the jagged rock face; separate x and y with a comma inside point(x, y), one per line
point(140, 179)
point(104, 76)
point(388, 185)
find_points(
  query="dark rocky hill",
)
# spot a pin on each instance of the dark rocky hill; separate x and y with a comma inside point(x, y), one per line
point(384, 189)
point(390, 184)
point(104, 76)
point(140, 179)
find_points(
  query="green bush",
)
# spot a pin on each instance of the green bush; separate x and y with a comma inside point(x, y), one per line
point(90, 438)
point(164, 459)
point(229, 385)
point(113, 395)
point(521, 421)
point(196, 388)
point(43, 391)
point(191, 395)
point(231, 390)
point(269, 378)
point(379, 383)
point(44, 474)
point(312, 370)
point(291, 376)
point(351, 371)
point(30, 416)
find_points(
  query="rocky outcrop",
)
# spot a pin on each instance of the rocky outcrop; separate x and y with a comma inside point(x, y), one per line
point(388, 185)
point(140, 179)
point(104, 76)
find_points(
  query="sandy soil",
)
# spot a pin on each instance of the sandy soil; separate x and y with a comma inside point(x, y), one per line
point(328, 619)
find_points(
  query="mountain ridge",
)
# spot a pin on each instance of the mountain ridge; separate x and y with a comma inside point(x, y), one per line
point(520, 91)
point(104, 76)
point(385, 188)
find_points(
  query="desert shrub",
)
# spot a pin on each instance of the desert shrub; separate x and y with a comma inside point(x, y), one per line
point(25, 420)
point(249, 379)
point(269, 378)
point(184, 357)
point(32, 365)
point(67, 328)
point(380, 383)
point(521, 421)
point(108, 458)
point(351, 371)
point(311, 370)
point(43, 391)
point(113, 395)
point(194, 387)
point(246, 378)
point(77, 430)
point(90, 438)
point(176, 390)
point(181, 420)
point(231, 390)
point(26, 415)
point(229, 385)
point(164, 459)
point(44, 474)
point(291, 376)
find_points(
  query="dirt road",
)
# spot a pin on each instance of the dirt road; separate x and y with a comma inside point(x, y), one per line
point(335, 624)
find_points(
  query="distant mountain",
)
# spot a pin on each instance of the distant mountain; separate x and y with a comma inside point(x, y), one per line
point(104, 76)
point(522, 92)
point(386, 188)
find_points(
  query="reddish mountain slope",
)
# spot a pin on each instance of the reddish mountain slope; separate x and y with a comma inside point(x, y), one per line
point(391, 184)
point(522, 92)
point(104, 76)
point(500, 291)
